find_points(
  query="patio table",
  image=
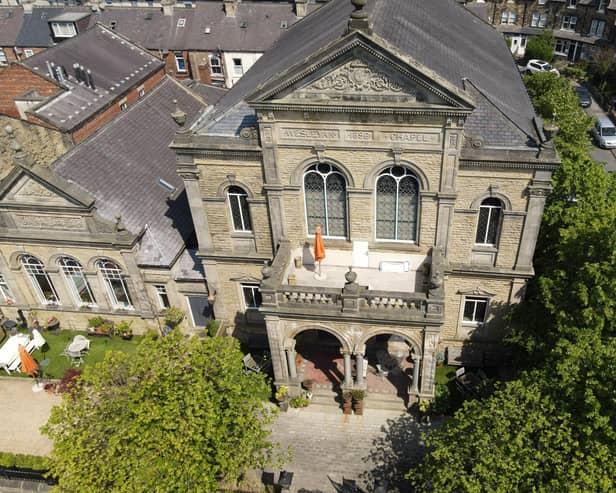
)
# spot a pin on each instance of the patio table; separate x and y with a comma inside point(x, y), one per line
point(78, 346)
point(10, 351)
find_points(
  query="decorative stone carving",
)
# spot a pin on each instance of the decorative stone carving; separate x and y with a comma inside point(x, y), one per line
point(27, 221)
point(357, 77)
point(35, 189)
point(249, 133)
point(478, 291)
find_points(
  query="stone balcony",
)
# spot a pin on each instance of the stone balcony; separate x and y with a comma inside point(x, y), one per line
point(390, 287)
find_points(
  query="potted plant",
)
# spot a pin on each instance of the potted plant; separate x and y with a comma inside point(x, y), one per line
point(52, 323)
point(173, 316)
point(424, 411)
point(212, 327)
point(282, 396)
point(299, 401)
point(358, 397)
point(125, 330)
point(308, 384)
point(100, 326)
point(347, 403)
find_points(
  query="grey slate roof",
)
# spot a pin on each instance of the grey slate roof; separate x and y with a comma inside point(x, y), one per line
point(115, 65)
point(35, 31)
point(121, 164)
point(154, 30)
point(439, 34)
point(10, 23)
point(209, 93)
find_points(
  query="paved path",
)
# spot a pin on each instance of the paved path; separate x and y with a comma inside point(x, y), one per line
point(22, 413)
point(328, 446)
point(607, 156)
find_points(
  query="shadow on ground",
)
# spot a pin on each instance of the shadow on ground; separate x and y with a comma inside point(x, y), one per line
point(394, 452)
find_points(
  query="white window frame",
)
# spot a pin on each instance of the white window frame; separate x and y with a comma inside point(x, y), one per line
point(539, 19)
point(110, 274)
point(181, 22)
point(28, 52)
point(492, 209)
point(141, 91)
point(246, 223)
point(238, 69)
point(571, 4)
point(63, 29)
point(602, 5)
point(476, 300)
point(123, 105)
point(161, 290)
point(594, 24)
point(254, 288)
point(68, 272)
point(561, 47)
point(179, 58)
point(509, 17)
point(5, 291)
point(217, 66)
point(35, 267)
point(3, 58)
point(568, 22)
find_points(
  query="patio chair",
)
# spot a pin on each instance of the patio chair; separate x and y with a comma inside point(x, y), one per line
point(250, 364)
point(38, 339)
point(15, 364)
point(86, 341)
point(31, 346)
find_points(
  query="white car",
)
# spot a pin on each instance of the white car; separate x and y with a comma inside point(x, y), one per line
point(534, 66)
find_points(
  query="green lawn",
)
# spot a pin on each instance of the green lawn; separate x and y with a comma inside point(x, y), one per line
point(99, 345)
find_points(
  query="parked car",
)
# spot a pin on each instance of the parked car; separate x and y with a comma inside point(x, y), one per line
point(534, 66)
point(583, 96)
point(604, 133)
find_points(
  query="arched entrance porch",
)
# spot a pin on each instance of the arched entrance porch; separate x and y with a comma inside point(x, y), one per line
point(393, 367)
point(319, 359)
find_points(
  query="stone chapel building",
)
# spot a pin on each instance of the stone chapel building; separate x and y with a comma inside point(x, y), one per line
point(404, 130)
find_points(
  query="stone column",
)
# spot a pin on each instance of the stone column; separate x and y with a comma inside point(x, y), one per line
point(429, 364)
point(277, 351)
point(415, 382)
point(98, 290)
point(138, 294)
point(190, 175)
point(359, 369)
point(532, 222)
point(290, 350)
point(348, 371)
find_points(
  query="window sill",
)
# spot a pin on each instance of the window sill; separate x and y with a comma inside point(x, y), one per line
point(243, 234)
point(485, 248)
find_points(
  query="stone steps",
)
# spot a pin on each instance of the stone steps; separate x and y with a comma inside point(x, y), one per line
point(326, 399)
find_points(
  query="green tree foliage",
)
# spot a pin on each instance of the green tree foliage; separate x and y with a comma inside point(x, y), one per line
point(540, 47)
point(553, 429)
point(179, 415)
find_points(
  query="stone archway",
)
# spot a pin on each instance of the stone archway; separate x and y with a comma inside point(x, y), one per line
point(319, 358)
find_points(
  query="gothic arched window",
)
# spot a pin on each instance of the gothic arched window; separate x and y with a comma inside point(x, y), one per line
point(240, 214)
point(326, 201)
point(397, 205)
point(488, 225)
point(41, 282)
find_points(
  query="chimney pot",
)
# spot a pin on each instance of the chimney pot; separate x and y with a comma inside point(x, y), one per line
point(230, 6)
point(300, 8)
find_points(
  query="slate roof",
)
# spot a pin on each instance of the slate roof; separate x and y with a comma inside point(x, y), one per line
point(122, 163)
point(115, 65)
point(209, 93)
point(35, 31)
point(439, 34)
point(10, 23)
point(254, 28)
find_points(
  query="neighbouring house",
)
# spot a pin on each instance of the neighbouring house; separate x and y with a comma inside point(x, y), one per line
point(579, 26)
point(10, 24)
point(72, 89)
point(403, 129)
point(106, 229)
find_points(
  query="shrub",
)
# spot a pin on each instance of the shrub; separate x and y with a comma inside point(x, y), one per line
point(212, 327)
point(281, 393)
point(23, 461)
point(358, 395)
point(7, 459)
point(124, 327)
point(96, 322)
point(442, 399)
point(541, 47)
point(173, 315)
point(299, 401)
point(69, 380)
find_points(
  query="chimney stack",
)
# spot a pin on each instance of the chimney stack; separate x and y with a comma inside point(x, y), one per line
point(300, 8)
point(230, 6)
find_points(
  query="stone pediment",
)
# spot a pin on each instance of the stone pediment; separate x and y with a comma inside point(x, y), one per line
point(28, 191)
point(477, 291)
point(358, 72)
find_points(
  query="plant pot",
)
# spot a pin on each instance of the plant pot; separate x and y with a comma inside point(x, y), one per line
point(298, 262)
point(284, 405)
point(358, 407)
point(347, 407)
point(308, 385)
point(127, 337)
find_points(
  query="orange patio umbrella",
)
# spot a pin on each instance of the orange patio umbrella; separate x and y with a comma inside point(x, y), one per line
point(319, 247)
point(29, 366)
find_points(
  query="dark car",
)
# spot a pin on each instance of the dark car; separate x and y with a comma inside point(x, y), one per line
point(583, 96)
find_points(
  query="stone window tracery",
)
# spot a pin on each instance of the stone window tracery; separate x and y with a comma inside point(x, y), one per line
point(77, 282)
point(115, 284)
point(240, 213)
point(326, 201)
point(44, 288)
point(397, 205)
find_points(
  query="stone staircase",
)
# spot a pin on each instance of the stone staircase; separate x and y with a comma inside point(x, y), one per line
point(328, 400)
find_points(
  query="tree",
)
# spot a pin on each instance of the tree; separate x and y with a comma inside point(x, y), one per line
point(179, 415)
point(541, 47)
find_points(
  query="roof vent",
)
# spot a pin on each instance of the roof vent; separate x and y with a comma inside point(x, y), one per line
point(283, 24)
point(181, 22)
point(207, 30)
point(113, 24)
point(148, 16)
point(165, 185)
point(243, 24)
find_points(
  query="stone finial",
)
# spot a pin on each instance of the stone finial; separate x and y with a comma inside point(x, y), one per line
point(119, 225)
point(178, 115)
point(359, 17)
point(350, 276)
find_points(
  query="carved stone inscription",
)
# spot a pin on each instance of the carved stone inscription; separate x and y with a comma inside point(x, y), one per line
point(27, 221)
point(311, 134)
point(318, 135)
point(413, 137)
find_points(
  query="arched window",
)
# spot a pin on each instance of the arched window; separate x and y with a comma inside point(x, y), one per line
point(326, 203)
point(490, 214)
point(238, 201)
point(115, 284)
point(397, 205)
point(77, 282)
point(41, 282)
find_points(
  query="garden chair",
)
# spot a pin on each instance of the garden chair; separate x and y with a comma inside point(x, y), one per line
point(38, 339)
point(86, 341)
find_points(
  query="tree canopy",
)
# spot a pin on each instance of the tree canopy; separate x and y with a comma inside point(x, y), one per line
point(540, 47)
point(179, 415)
point(552, 429)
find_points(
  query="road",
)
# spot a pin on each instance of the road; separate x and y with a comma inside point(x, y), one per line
point(603, 155)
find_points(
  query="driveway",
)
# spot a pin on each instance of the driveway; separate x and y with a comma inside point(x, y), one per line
point(607, 156)
point(22, 413)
